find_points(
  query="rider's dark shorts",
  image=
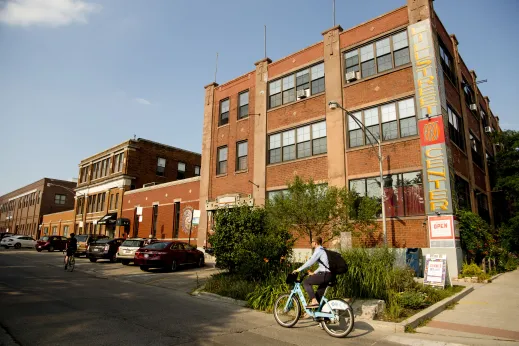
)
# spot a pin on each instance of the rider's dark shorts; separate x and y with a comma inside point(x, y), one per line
point(70, 252)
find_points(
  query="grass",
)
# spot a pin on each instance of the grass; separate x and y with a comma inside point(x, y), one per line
point(229, 285)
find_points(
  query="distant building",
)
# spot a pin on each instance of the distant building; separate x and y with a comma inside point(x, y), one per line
point(22, 210)
point(61, 223)
point(133, 164)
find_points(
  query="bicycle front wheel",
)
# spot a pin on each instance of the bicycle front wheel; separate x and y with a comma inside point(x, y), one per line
point(287, 310)
point(71, 263)
point(342, 323)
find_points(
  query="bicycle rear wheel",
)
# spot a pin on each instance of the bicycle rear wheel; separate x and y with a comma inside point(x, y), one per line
point(71, 263)
point(287, 310)
point(342, 324)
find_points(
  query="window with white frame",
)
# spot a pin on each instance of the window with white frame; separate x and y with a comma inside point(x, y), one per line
point(224, 112)
point(241, 155)
point(456, 128)
point(221, 167)
point(283, 90)
point(243, 106)
point(297, 143)
point(60, 199)
point(161, 166)
point(197, 171)
point(181, 170)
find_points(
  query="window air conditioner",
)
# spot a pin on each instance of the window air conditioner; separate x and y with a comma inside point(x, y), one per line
point(302, 94)
point(473, 107)
point(352, 76)
point(488, 129)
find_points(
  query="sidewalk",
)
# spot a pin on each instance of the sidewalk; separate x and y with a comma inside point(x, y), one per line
point(487, 315)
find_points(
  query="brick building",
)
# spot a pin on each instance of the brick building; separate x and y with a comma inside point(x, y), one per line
point(164, 211)
point(401, 74)
point(22, 210)
point(105, 176)
point(61, 223)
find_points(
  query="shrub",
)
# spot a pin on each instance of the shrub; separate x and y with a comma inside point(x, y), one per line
point(473, 270)
point(476, 239)
point(229, 285)
point(412, 299)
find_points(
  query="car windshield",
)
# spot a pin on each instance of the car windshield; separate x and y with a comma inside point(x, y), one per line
point(157, 246)
point(44, 238)
point(132, 243)
point(101, 241)
point(81, 237)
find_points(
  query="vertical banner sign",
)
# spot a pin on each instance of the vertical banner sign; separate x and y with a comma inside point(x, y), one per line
point(430, 120)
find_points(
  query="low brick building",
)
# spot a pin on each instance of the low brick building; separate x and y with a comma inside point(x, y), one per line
point(402, 76)
point(164, 211)
point(133, 164)
point(22, 210)
point(61, 223)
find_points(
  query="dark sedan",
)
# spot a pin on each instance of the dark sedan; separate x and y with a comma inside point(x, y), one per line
point(168, 255)
point(51, 243)
point(104, 249)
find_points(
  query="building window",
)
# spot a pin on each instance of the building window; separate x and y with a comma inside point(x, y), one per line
point(46, 230)
point(297, 143)
point(447, 62)
point(241, 156)
point(379, 56)
point(224, 112)
point(455, 128)
point(181, 170)
point(111, 202)
point(404, 195)
point(271, 195)
point(161, 166)
point(116, 200)
point(83, 174)
point(60, 199)
point(475, 146)
point(197, 171)
point(243, 107)
point(284, 90)
point(469, 93)
point(118, 163)
point(482, 201)
point(462, 193)
point(221, 168)
point(393, 120)
point(154, 220)
point(54, 230)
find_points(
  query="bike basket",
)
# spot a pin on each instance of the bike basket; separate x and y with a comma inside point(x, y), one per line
point(291, 279)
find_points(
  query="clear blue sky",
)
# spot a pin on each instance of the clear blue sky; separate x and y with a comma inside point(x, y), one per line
point(77, 76)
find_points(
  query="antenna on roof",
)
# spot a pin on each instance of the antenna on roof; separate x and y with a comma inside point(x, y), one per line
point(134, 137)
point(216, 67)
point(265, 40)
point(333, 13)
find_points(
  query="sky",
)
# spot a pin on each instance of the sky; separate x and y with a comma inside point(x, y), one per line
point(80, 76)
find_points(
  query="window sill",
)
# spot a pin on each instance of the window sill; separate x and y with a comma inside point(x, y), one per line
point(414, 217)
point(446, 76)
point(476, 165)
point(384, 143)
point(461, 150)
point(221, 175)
point(242, 119)
point(222, 126)
point(408, 65)
point(297, 160)
point(295, 102)
point(241, 172)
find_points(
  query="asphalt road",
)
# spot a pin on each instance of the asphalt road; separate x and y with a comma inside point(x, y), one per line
point(41, 304)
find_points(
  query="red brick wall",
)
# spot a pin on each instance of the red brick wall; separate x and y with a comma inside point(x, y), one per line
point(479, 177)
point(59, 220)
point(297, 113)
point(444, 35)
point(397, 156)
point(453, 96)
point(377, 89)
point(473, 122)
point(460, 160)
point(294, 61)
point(314, 167)
point(374, 27)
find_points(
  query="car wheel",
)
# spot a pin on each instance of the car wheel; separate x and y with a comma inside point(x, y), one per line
point(125, 262)
point(17, 245)
point(144, 268)
point(93, 260)
point(51, 248)
point(39, 250)
point(201, 262)
point(174, 266)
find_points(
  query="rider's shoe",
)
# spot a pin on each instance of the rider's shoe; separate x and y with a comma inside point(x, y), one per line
point(65, 267)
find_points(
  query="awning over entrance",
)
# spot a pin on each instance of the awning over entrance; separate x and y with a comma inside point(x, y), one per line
point(108, 219)
point(122, 222)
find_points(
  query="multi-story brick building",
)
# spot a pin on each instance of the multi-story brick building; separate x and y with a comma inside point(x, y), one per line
point(61, 223)
point(22, 210)
point(105, 176)
point(164, 211)
point(401, 74)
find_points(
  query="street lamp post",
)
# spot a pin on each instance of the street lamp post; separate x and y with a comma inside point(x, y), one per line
point(333, 105)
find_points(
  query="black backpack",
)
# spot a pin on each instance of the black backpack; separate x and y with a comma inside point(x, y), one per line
point(336, 262)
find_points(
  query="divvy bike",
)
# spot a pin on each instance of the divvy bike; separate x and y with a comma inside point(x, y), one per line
point(334, 315)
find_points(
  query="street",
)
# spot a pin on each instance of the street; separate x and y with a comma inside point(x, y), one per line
point(109, 304)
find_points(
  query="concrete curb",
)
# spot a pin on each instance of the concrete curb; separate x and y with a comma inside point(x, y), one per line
point(199, 292)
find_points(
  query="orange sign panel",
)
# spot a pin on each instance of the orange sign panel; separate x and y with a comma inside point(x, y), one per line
point(431, 131)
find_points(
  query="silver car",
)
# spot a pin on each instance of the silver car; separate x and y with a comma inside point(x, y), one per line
point(127, 250)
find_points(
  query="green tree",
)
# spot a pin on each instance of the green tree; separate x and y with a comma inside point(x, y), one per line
point(313, 210)
point(475, 235)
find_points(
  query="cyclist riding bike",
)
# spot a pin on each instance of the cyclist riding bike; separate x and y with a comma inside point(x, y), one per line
point(71, 248)
point(320, 277)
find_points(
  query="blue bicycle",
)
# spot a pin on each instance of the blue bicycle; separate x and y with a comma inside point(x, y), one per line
point(335, 315)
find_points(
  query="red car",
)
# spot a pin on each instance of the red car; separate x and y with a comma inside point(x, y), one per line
point(51, 243)
point(168, 255)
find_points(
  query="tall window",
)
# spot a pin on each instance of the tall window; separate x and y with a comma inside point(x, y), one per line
point(118, 163)
point(283, 91)
point(224, 112)
point(241, 156)
point(111, 202)
point(181, 170)
point(161, 166)
point(297, 143)
point(176, 226)
point(116, 200)
point(455, 128)
point(83, 174)
point(469, 93)
point(477, 152)
point(60, 199)
point(89, 206)
point(447, 62)
point(65, 231)
point(54, 230)
point(221, 168)
point(379, 56)
point(136, 219)
point(393, 120)
point(243, 107)
point(154, 220)
point(197, 171)
point(404, 195)
point(463, 193)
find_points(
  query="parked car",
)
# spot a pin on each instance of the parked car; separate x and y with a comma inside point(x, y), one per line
point(51, 243)
point(104, 249)
point(168, 255)
point(126, 251)
point(18, 241)
point(84, 240)
point(5, 234)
